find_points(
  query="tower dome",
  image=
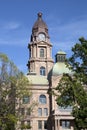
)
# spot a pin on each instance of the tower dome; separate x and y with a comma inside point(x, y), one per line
point(60, 68)
point(40, 23)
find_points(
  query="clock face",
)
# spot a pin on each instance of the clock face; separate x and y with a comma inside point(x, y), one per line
point(41, 37)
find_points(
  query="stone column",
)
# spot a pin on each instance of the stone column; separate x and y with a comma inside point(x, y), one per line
point(56, 125)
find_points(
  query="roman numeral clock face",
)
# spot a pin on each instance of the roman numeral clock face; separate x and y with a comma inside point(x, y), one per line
point(41, 37)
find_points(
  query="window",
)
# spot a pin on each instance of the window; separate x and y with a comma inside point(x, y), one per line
point(26, 99)
point(65, 124)
point(39, 111)
point(41, 52)
point(28, 124)
point(25, 125)
point(63, 58)
point(22, 111)
point(28, 111)
point(22, 124)
point(45, 125)
point(42, 70)
point(39, 125)
point(42, 99)
point(66, 109)
point(45, 112)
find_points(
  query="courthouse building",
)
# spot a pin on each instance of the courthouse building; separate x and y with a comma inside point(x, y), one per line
point(44, 75)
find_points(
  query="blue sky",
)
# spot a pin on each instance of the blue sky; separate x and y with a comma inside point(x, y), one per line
point(66, 20)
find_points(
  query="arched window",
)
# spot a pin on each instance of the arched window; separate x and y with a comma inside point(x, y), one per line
point(42, 99)
point(41, 52)
point(42, 70)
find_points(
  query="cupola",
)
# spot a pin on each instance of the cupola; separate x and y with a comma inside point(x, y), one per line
point(60, 67)
point(60, 56)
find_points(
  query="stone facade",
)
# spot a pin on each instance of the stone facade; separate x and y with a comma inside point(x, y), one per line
point(46, 115)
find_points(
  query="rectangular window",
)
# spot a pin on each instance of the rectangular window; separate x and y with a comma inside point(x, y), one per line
point(39, 125)
point(22, 111)
point(22, 124)
point(28, 111)
point(45, 112)
point(39, 111)
point(28, 124)
point(45, 125)
point(65, 124)
point(68, 124)
point(42, 70)
point(26, 99)
point(42, 52)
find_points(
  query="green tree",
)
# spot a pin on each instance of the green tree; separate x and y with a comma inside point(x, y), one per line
point(13, 86)
point(73, 88)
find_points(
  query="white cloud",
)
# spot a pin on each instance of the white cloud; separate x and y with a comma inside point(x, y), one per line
point(12, 33)
point(71, 28)
point(9, 25)
point(64, 36)
point(17, 42)
point(63, 45)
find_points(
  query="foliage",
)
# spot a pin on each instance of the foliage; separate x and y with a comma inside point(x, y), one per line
point(13, 85)
point(25, 127)
point(78, 61)
point(73, 88)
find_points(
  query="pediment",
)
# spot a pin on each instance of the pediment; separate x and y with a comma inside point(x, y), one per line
point(44, 43)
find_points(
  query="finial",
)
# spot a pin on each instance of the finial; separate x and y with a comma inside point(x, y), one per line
point(39, 15)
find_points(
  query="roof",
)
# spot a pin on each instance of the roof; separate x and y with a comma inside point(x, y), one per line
point(37, 79)
point(40, 23)
point(61, 52)
point(60, 68)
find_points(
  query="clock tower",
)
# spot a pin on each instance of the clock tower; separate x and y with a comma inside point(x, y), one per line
point(40, 58)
